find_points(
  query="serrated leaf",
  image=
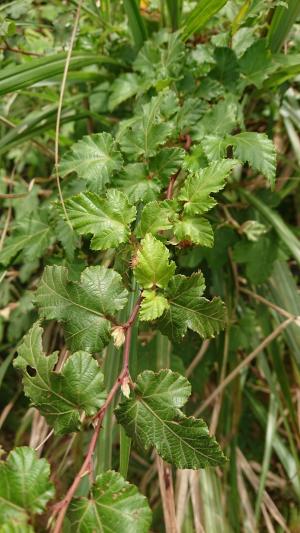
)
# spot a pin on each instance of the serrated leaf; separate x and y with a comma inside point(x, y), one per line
point(107, 219)
point(94, 158)
point(256, 63)
point(61, 397)
point(226, 70)
point(198, 187)
point(153, 267)
point(153, 305)
point(195, 229)
point(137, 182)
point(166, 162)
point(259, 257)
point(114, 505)
point(190, 310)
point(150, 130)
point(25, 486)
point(153, 418)
point(214, 147)
point(257, 150)
point(124, 87)
point(83, 307)
point(32, 236)
point(156, 216)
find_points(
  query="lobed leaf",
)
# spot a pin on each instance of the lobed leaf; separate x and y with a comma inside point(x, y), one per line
point(84, 307)
point(113, 505)
point(107, 219)
point(190, 310)
point(94, 159)
point(25, 487)
point(61, 397)
point(153, 418)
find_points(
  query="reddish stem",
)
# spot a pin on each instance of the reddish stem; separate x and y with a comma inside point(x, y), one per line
point(171, 185)
point(62, 506)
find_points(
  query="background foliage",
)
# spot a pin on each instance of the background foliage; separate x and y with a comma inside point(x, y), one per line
point(179, 165)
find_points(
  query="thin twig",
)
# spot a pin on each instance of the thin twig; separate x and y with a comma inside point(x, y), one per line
point(167, 494)
point(266, 302)
point(61, 507)
point(9, 48)
point(244, 363)
point(197, 358)
point(59, 110)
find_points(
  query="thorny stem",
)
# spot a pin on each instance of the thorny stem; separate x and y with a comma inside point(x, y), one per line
point(61, 507)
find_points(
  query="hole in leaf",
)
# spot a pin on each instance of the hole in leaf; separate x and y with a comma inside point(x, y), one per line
point(31, 371)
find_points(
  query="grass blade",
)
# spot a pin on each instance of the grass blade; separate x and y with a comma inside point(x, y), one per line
point(203, 12)
point(17, 77)
point(135, 22)
point(282, 22)
point(174, 10)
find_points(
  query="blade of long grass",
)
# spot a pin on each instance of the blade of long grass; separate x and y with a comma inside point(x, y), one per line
point(201, 15)
point(285, 456)
point(283, 231)
point(174, 9)
point(270, 431)
point(17, 77)
point(283, 291)
point(135, 22)
point(281, 24)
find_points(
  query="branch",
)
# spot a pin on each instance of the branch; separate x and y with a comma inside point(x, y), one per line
point(61, 507)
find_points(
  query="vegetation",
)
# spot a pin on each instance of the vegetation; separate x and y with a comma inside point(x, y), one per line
point(149, 260)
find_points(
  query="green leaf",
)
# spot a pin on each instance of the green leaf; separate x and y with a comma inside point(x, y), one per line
point(166, 162)
point(107, 219)
point(201, 14)
point(137, 183)
point(84, 307)
point(149, 130)
point(62, 396)
point(32, 236)
point(256, 63)
point(153, 305)
point(25, 486)
point(114, 505)
point(198, 187)
point(124, 87)
point(257, 150)
point(156, 216)
point(194, 229)
point(135, 22)
point(190, 310)
point(226, 70)
point(153, 267)
point(94, 158)
point(153, 418)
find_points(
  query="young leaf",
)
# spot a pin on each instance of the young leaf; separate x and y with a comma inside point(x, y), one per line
point(153, 418)
point(190, 310)
point(60, 396)
point(194, 229)
point(84, 307)
point(114, 505)
point(198, 187)
point(156, 216)
point(137, 183)
point(153, 305)
point(25, 487)
point(166, 162)
point(150, 130)
point(107, 219)
point(153, 267)
point(94, 158)
point(257, 150)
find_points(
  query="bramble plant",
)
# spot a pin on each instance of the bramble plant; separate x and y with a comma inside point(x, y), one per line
point(161, 151)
